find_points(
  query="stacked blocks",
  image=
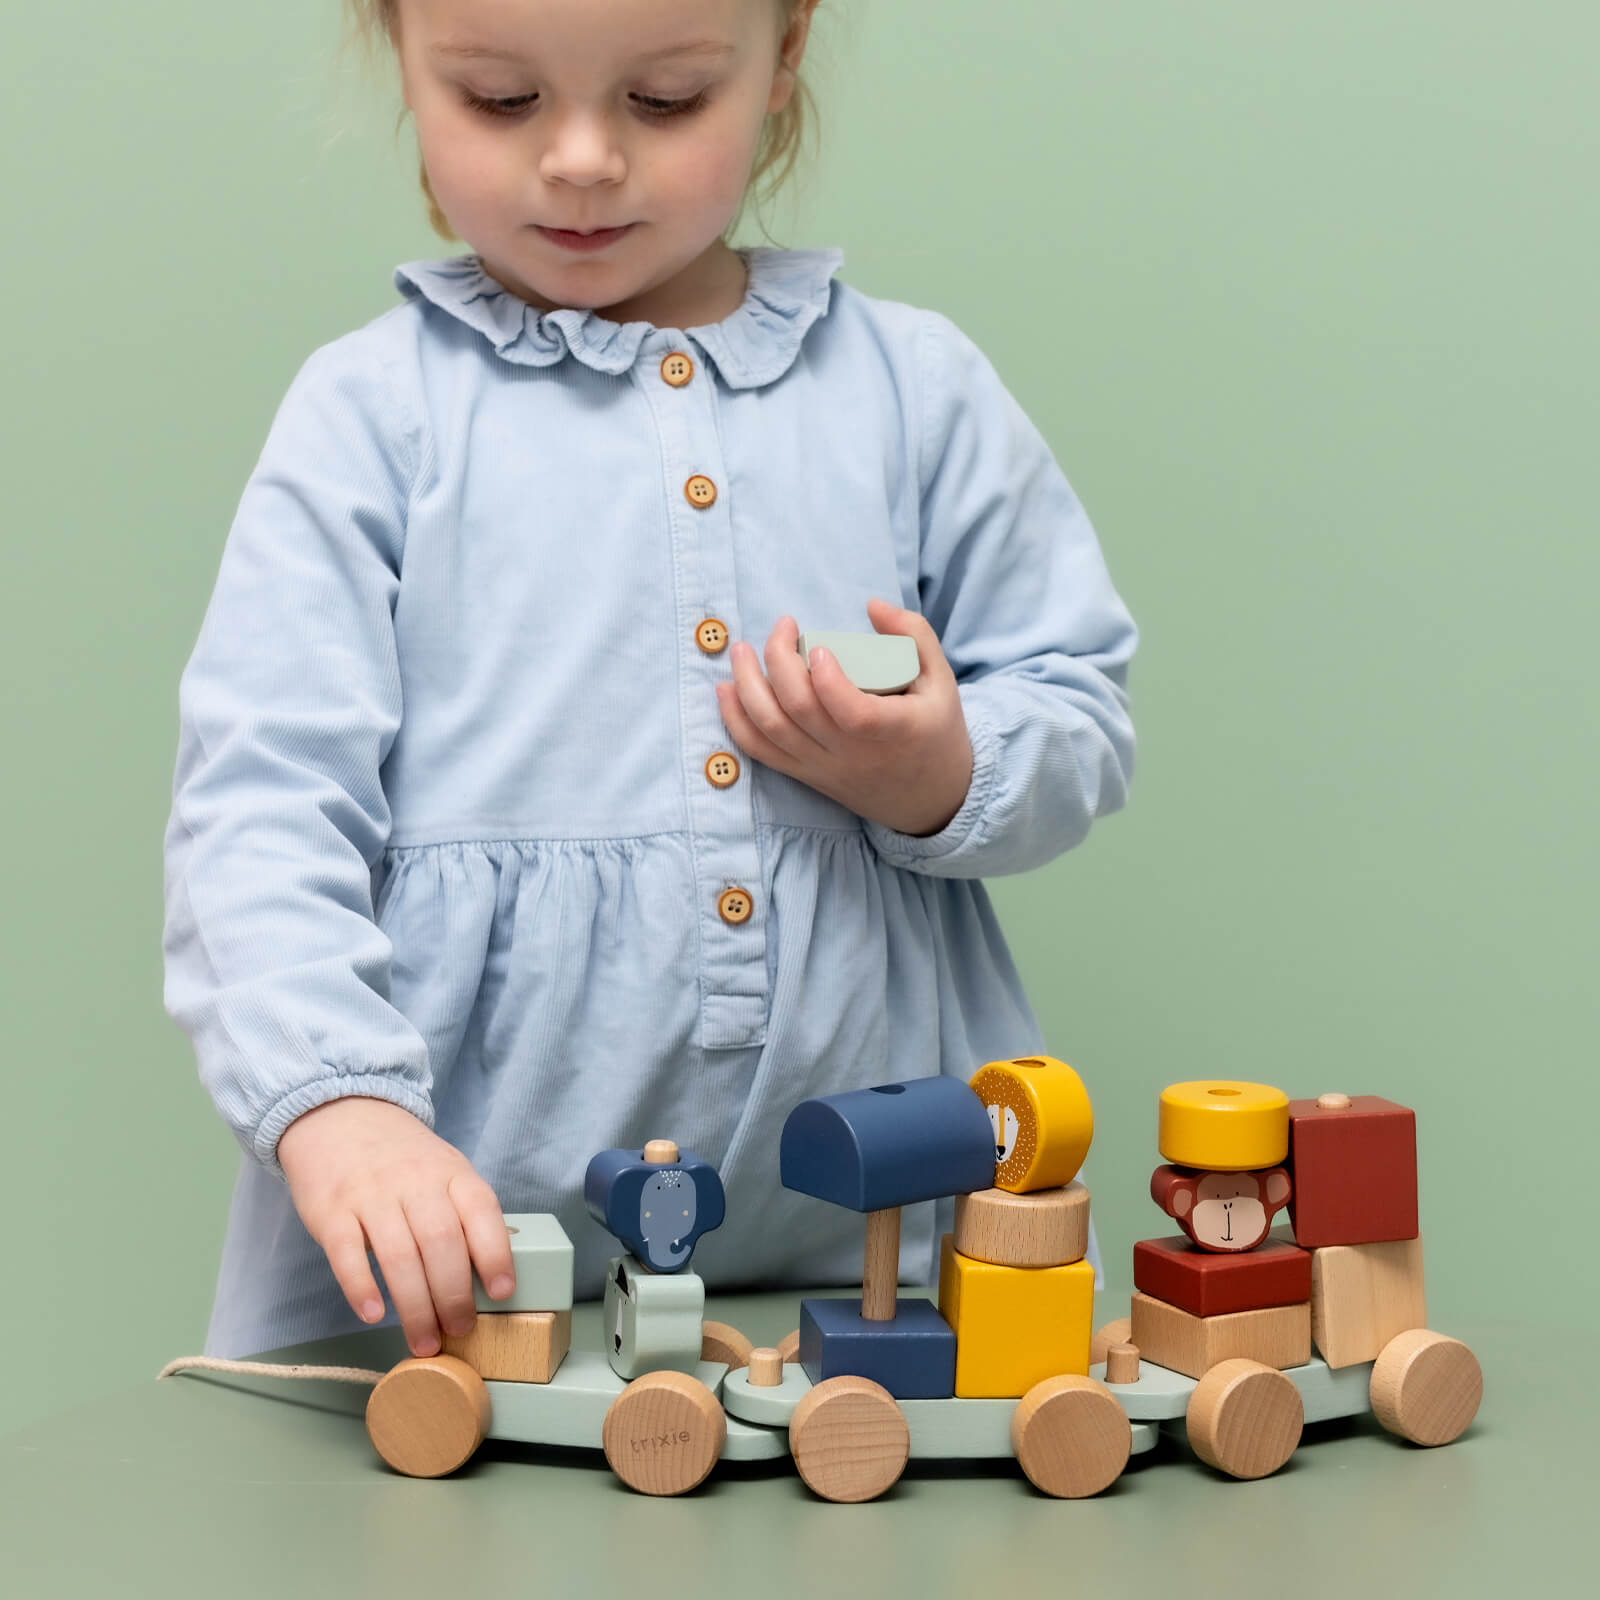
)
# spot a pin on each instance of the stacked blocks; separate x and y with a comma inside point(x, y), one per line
point(1225, 1290)
point(1353, 1161)
point(525, 1338)
point(875, 1150)
point(1013, 1283)
point(658, 1201)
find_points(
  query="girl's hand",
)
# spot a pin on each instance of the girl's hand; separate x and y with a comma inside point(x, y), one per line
point(903, 760)
point(365, 1173)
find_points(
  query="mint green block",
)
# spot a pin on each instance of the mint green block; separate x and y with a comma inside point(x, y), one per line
point(651, 1321)
point(542, 1253)
point(1158, 1393)
point(770, 1404)
point(878, 663)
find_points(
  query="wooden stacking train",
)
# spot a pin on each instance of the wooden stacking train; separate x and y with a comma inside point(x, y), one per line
point(1240, 1332)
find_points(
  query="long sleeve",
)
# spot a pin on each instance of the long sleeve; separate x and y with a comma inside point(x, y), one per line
point(275, 966)
point(1013, 581)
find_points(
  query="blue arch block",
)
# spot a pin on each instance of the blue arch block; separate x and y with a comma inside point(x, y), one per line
point(873, 1149)
point(658, 1210)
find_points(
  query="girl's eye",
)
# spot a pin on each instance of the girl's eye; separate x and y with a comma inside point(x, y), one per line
point(650, 105)
point(498, 108)
point(653, 107)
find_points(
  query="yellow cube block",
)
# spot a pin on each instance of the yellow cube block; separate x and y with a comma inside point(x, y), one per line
point(1043, 1122)
point(1223, 1125)
point(1014, 1325)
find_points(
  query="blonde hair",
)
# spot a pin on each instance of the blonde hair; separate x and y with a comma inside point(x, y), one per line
point(370, 24)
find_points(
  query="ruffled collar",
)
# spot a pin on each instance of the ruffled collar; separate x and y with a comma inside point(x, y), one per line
point(787, 291)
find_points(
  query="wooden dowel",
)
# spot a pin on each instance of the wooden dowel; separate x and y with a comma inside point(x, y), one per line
point(766, 1368)
point(1122, 1363)
point(880, 1267)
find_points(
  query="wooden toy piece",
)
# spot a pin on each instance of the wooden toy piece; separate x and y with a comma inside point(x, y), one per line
point(721, 1342)
point(541, 1256)
point(1122, 1364)
point(651, 1320)
point(1070, 1436)
point(889, 1146)
point(1222, 1125)
point(1362, 1295)
point(1041, 1119)
point(1047, 1228)
point(1207, 1284)
point(880, 1265)
point(1014, 1326)
point(658, 1209)
point(912, 1356)
point(765, 1367)
point(1244, 1418)
point(876, 663)
point(771, 1404)
point(789, 1345)
point(1158, 1394)
point(664, 1433)
point(1355, 1170)
point(848, 1439)
point(514, 1346)
point(1117, 1331)
point(1226, 1212)
point(1279, 1336)
point(660, 1152)
point(1426, 1387)
point(425, 1417)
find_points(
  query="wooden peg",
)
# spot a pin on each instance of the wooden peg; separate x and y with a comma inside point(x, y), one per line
point(880, 1269)
point(660, 1152)
point(1333, 1102)
point(1122, 1363)
point(1118, 1331)
point(765, 1367)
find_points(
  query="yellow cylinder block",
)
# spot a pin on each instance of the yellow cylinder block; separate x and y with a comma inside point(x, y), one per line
point(1043, 1122)
point(1223, 1126)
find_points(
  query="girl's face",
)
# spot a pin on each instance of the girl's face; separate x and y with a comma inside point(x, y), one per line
point(582, 115)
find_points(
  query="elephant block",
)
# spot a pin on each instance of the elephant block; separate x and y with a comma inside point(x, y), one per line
point(658, 1201)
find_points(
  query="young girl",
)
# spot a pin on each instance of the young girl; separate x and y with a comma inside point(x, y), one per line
point(508, 823)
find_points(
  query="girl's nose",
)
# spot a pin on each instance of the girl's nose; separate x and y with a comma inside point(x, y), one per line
point(582, 148)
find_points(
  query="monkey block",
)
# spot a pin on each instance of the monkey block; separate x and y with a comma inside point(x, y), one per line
point(1040, 1116)
point(651, 1321)
point(1279, 1336)
point(1221, 1211)
point(913, 1355)
point(1014, 1326)
point(1209, 1285)
point(514, 1346)
point(658, 1201)
point(541, 1255)
point(1362, 1295)
point(1048, 1228)
point(1354, 1164)
point(889, 1146)
point(1223, 1125)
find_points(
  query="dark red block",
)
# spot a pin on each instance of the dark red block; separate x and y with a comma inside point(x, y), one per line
point(1354, 1170)
point(1206, 1284)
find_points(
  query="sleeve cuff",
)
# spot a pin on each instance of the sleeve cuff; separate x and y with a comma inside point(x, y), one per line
point(374, 1085)
point(906, 850)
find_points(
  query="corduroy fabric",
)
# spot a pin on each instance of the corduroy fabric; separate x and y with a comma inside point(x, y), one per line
point(441, 831)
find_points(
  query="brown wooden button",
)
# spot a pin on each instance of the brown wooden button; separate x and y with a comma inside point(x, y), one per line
point(734, 905)
point(677, 368)
point(700, 491)
point(722, 769)
point(712, 636)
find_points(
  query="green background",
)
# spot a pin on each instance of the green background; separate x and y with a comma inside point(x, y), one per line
point(1303, 298)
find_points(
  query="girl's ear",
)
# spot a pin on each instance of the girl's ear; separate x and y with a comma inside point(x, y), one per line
point(790, 51)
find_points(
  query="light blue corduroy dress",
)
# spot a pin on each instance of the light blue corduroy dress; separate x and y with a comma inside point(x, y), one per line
point(443, 829)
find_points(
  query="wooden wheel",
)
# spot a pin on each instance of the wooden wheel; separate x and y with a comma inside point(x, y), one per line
point(425, 1417)
point(1118, 1332)
point(849, 1439)
point(1426, 1387)
point(789, 1345)
point(1245, 1418)
point(663, 1433)
point(721, 1341)
point(1071, 1436)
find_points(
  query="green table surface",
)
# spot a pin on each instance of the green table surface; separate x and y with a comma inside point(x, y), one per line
point(217, 1484)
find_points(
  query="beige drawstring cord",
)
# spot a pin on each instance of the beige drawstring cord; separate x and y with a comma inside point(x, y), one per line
point(266, 1369)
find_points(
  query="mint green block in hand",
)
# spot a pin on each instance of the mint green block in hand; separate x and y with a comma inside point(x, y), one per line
point(542, 1255)
point(877, 663)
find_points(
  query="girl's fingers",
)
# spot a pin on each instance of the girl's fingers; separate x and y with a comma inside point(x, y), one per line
point(487, 1239)
point(792, 684)
point(748, 736)
point(761, 706)
point(346, 1248)
point(398, 1256)
point(431, 1215)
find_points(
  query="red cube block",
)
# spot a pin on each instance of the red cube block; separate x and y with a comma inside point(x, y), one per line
point(1207, 1284)
point(1354, 1168)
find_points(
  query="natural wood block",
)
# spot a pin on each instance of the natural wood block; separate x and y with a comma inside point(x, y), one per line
point(1118, 1331)
point(1244, 1418)
point(425, 1417)
point(848, 1439)
point(664, 1433)
point(1362, 1295)
point(721, 1342)
point(1070, 1436)
point(1014, 1325)
point(1206, 1284)
point(1042, 1121)
point(1426, 1387)
point(1279, 1336)
point(1045, 1228)
point(514, 1346)
point(1354, 1169)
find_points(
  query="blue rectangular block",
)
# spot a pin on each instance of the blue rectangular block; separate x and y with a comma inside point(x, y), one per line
point(913, 1357)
